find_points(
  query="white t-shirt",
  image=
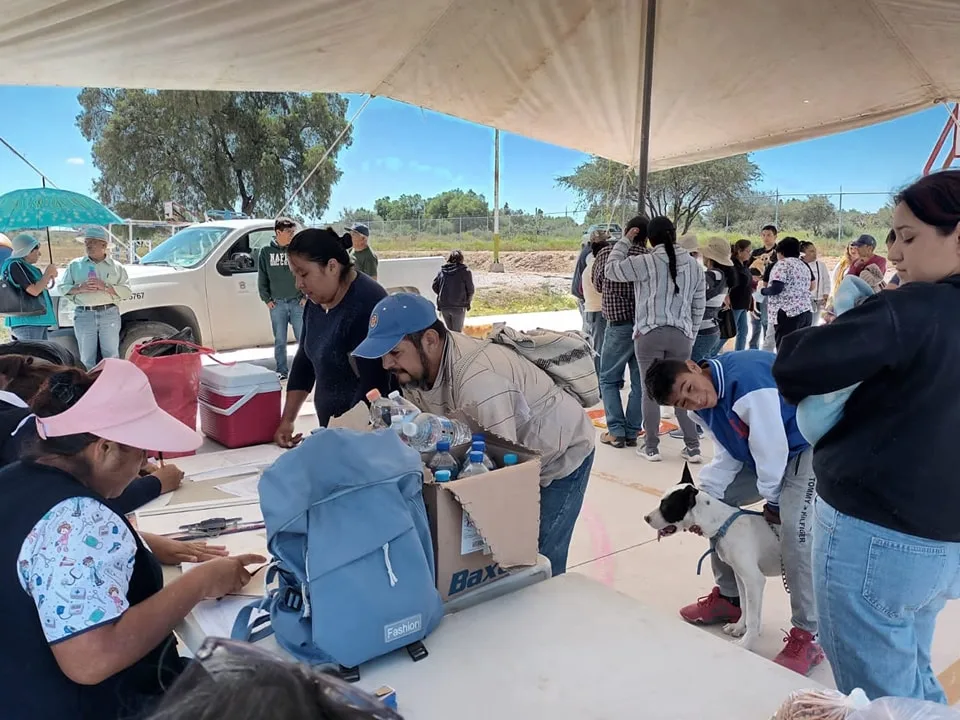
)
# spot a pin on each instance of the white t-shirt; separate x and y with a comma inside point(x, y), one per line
point(76, 564)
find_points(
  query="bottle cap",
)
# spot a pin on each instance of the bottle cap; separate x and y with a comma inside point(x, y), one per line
point(394, 395)
point(410, 429)
point(476, 457)
point(478, 437)
point(510, 459)
point(442, 476)
point(443, 446)
point(478, 445)
point(374, 395)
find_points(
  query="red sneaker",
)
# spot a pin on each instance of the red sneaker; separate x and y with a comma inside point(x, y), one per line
point(801, 653)
point(711, 610)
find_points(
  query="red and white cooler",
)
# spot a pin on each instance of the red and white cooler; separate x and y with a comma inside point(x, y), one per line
point(239, 404)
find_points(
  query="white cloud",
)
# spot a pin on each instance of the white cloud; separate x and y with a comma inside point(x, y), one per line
point(76, 161)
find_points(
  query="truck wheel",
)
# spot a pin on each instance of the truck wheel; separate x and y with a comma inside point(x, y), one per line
point(139, 333)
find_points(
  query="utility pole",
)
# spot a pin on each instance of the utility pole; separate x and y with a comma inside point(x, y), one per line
point(840, 216)
point(497, 266)
point(643, 165)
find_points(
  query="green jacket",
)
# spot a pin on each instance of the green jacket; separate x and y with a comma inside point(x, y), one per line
point(274, 279)
point(366, 261)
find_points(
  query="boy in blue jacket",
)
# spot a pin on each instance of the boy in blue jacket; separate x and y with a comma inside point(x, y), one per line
point(760, 455)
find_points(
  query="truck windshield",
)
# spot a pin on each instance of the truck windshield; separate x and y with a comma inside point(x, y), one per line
point(188, 248)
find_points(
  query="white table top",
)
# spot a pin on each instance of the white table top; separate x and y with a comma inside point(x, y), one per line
point(571, 648)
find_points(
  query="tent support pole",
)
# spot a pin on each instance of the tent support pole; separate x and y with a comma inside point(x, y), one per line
point(643, 166)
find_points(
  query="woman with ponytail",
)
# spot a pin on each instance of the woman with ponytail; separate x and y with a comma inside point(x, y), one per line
point(670, 292)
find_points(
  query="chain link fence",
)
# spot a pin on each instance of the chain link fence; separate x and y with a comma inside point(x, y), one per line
point(546, 225)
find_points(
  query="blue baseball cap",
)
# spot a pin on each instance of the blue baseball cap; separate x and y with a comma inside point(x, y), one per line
point(392, 320)
point(865, 241)
point(93, 232)
point(359, 228)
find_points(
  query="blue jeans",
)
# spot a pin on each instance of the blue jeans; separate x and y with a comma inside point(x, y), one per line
point(705, 347)
point(26, 333)
point(878, 594)
point(742, 319)
point(285, 313)
point(97, 330)
point(617, 355)
point(758, 326)
point(560, 504)
point(596, 326)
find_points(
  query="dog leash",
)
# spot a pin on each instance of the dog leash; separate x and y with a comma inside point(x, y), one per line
point(721, 532)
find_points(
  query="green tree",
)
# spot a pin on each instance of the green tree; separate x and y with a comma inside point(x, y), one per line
point(211, 149)
point(815, 213)
point(457, 203)
point(681, 194)
point(352, 215)
point(405, 207)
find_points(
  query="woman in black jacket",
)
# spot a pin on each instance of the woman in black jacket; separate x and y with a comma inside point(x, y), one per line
point(886, 536)
point(741, 293)
point(454, 288)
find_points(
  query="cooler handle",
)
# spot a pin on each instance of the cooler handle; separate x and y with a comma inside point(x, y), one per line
point(233, 408)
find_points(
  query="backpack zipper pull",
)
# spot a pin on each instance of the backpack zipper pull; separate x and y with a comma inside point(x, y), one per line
point(386, 560)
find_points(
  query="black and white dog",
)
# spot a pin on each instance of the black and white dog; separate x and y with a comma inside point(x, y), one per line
point(744, 540)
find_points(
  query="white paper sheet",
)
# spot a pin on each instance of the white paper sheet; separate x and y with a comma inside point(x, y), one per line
point(216, 617)
point(245, 487)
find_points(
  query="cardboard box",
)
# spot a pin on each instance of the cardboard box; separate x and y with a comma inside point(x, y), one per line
point(481, 526)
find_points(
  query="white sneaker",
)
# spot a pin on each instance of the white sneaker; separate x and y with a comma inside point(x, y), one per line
point(691, 457)
point(649, 455)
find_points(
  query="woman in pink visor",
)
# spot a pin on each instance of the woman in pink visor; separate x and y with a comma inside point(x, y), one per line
point(88, 622)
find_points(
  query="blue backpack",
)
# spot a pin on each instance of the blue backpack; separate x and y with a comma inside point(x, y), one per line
point(348, 531)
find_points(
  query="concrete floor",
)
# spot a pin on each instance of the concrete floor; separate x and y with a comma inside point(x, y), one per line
point(613, 545)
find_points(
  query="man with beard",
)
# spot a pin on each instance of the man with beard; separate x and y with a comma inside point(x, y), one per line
point(442, 372)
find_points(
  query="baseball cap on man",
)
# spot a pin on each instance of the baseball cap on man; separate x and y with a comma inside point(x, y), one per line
point(93, 232)
point(865, 241)
point(359, 228)
point(120, 406)
point(395, 317)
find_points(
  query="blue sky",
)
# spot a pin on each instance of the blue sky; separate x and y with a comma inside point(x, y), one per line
point(402, 149)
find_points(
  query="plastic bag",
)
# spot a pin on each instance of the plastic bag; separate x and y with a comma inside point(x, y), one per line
point(816, 705)
point(174, 379)
point(890, 708)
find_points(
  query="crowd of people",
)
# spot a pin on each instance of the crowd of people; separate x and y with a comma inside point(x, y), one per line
point(869, 537)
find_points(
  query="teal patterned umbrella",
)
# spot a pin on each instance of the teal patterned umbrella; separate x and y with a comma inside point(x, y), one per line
point(36, 208)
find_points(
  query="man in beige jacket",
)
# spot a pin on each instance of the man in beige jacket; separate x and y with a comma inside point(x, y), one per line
point(442, 372)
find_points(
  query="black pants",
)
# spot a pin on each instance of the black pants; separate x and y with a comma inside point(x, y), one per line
point(787, 324)
point(453, 318)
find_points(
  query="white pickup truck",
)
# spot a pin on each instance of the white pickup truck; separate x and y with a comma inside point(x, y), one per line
point(205, 278)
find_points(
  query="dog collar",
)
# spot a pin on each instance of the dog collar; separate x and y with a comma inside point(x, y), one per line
point(718, 536)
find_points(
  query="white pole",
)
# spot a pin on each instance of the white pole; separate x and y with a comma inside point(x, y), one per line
point(497, 265)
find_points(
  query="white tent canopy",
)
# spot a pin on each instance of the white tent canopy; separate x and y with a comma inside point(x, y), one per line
point(729, 75)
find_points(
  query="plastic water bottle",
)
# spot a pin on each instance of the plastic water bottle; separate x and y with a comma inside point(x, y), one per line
point(474, 466)
point(442, 476)
point(403, 409)
point(481, 447)
point(444, 461)
point(424, 431)
point(510, 459)
point(381, 410)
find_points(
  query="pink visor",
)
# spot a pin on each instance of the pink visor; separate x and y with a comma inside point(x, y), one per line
point(120, 406)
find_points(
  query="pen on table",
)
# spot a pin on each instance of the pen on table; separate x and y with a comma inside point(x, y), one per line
point(160, 458)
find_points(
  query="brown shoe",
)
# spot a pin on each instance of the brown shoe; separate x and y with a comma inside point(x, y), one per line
point(612, 440)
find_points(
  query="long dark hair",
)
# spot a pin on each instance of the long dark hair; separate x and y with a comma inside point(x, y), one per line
point(321, 246)
point(935, 200)
point(59, 393)
point(662, 231)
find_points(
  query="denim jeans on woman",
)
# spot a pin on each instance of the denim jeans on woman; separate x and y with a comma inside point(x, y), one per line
point(97, 330)
point(742, 319)
point(878, 593)
point(26, 333)
point(560, 504)
point(596, 325)
point(617, 355)
point(284, 314)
